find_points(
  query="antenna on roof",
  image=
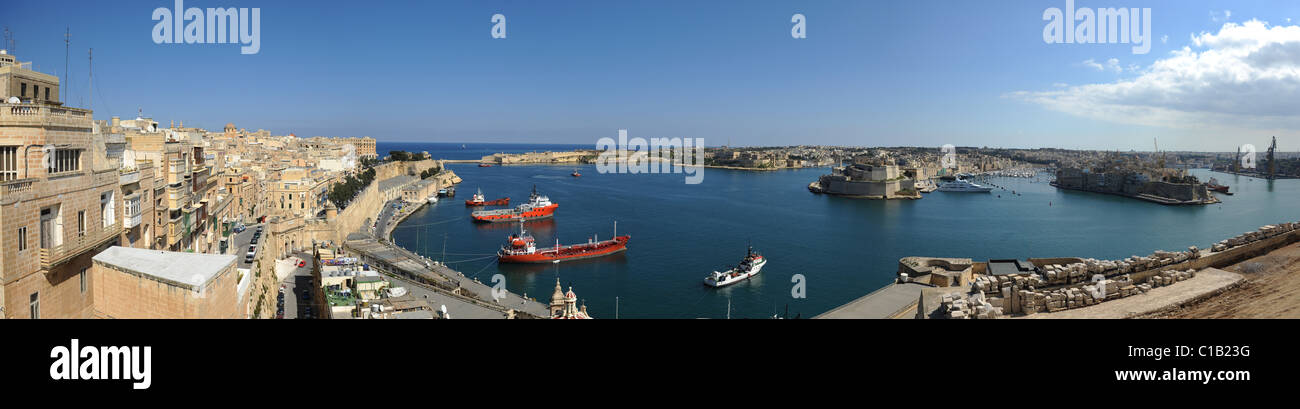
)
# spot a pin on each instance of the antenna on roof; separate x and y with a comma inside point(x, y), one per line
point(67, 44)
point(91, 72)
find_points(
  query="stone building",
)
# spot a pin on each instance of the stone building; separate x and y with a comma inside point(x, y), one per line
point(175, 285)
point(365, 146)
point(59, 199)
point(17, 79)
point(868, 178)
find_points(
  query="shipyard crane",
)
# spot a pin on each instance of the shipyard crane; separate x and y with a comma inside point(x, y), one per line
point(1161, 161)
point(1272, 163)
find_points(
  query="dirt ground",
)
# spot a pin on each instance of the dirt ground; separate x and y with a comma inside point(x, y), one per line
point(1271, 290)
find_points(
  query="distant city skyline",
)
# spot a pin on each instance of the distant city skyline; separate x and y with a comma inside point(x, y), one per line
point(1218, 73)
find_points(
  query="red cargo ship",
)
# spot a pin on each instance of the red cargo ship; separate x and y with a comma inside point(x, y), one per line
point(478, 200)
point(522, 249)
point(1214, 185)
point(538, 207)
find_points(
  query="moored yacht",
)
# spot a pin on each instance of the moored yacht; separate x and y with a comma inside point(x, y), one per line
point(963, 185)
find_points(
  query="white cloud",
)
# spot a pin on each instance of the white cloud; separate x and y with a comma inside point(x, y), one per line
point(1110, 65)
point(1246, 75)
point(1220, 16)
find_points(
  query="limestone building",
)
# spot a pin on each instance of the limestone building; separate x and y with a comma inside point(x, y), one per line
point(59, 198)
point(139, 283)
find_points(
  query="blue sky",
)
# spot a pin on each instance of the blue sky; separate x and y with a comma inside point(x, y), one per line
point(869, 73)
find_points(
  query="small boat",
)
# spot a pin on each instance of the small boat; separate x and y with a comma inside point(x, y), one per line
point(447, 192)
point(575, 173)
point(433, 199)
point(485, 165)
point(748, 267)
point(478, 200)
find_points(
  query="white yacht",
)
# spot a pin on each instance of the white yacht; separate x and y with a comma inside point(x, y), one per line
point(433, 199)
point(963, 185)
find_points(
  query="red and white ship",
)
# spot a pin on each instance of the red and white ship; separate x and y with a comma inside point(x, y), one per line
point(477, 200)
point(1214, 185)
point(538, 207)
point(522, 249)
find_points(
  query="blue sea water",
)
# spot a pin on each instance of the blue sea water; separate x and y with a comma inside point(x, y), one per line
point(843, 248)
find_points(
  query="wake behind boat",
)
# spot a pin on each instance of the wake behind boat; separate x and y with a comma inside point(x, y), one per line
point(748, 267)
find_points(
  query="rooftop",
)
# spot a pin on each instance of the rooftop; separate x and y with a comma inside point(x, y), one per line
point(187, 269)
point(1011, 266)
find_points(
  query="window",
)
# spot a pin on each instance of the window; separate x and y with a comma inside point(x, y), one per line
point(51, 227)
point(35, 305)
point(65, 160)
point(106, 207)
point(24, 89)
point(8, 163)
point(83, 279)
point(22, 238)
point(36, 91)
point(81, 223)
point(47, 93)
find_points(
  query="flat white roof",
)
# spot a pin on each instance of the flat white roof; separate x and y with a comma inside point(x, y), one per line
point(192, 269)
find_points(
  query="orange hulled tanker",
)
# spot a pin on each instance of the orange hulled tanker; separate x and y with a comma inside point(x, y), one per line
point(538, 207)
point(522, 249)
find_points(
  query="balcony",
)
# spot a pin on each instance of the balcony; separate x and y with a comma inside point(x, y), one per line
point(42, 115)
point(133, 214)
point(126, 177)
point(56, 255)
point(14, 190)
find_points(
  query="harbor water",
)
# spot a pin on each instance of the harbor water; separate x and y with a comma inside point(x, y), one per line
point(837, 248)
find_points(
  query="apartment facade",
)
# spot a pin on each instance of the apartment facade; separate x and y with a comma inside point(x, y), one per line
point(59, 201)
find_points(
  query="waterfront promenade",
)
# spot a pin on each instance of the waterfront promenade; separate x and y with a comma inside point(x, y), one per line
point(463, 296)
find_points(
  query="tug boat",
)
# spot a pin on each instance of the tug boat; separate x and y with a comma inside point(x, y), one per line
point(521, 248)
point(478, 200)
point(748, 267)
point(538, 207)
